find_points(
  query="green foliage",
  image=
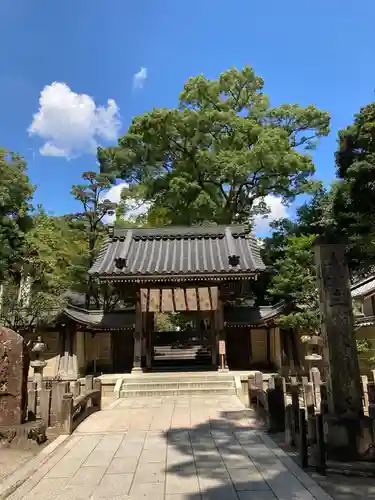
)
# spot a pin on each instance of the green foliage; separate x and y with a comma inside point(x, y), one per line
point(295, 282)
point(217, 155)
point(95, 207)
point(15, 195)
point(35, 294)
point(354, 204)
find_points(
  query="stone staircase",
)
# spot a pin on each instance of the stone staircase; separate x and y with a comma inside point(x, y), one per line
point(173, 384)
point(166, 356)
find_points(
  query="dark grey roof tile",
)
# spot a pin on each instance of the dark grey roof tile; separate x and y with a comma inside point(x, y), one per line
point(175, 251)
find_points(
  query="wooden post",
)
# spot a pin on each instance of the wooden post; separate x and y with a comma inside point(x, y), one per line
point(303, 448)
point(320, 445)
point(364, 381)
point(317, 382)
point(308, 394)
point(295, 411)
point(276, 405)
point(137, 368)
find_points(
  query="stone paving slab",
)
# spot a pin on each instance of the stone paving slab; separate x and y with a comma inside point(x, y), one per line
point(171, 448)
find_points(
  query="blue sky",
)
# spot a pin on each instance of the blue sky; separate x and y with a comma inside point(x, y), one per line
point(319, 52)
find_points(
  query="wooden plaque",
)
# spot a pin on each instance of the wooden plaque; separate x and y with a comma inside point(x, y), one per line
point(154, 305)
point(179, 298)
point(204, 299)
point(167, 300)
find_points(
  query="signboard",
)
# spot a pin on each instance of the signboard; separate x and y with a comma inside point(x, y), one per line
point(222, 347)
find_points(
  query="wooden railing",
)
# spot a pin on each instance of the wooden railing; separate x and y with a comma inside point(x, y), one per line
point(75, 409)
point(297, 406)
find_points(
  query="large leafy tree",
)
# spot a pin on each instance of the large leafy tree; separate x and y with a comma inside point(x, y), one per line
point(15, 195)
point(354, 204)
point(36, 293)
point(219, 153)
point(295, 282)
point(90, 221)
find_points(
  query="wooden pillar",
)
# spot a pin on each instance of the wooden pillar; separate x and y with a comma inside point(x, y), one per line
point(137, 368)
point(149, 325)
point(213, 340)
point(277, 344)
point(220, 328)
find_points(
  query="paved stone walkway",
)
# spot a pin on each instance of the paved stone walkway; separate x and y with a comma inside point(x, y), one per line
point(170, 449)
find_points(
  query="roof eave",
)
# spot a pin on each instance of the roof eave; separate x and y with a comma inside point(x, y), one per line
point(238, 275)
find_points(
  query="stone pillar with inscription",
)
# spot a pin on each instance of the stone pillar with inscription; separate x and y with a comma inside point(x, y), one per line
point(340, 353)
point(348, 433)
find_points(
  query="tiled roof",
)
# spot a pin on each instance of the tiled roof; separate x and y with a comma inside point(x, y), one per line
point(363, 287)
point(252, 316)
point(100, 320)
point(171, 252)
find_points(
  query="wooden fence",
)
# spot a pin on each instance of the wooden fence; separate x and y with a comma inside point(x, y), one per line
point(64, 405)
point(297, 405)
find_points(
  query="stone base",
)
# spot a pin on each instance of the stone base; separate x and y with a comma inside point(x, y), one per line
point(19, 435)
point(349, 439)
point(137, 370)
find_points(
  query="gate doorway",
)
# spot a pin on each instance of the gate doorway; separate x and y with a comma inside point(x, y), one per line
point(181, 350)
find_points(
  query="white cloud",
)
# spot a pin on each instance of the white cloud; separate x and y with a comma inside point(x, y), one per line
point(71, 123)
point(277, 211)
point(140, 78)
point(114, 195)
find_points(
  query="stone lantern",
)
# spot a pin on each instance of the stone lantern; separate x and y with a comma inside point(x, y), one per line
point(38, 364)
point(313, 349)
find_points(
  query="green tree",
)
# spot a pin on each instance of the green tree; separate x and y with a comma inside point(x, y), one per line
point(295, 282)
point(354, 204)
point(89, 221)
point(35, 294)
point(15, 195)
point(216, 156)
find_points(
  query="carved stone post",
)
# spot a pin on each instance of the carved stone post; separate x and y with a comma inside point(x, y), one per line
point(340, 354)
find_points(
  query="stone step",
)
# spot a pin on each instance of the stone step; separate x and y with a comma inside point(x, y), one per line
point(177, 377)
point(177, 392)
point(178, 384)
